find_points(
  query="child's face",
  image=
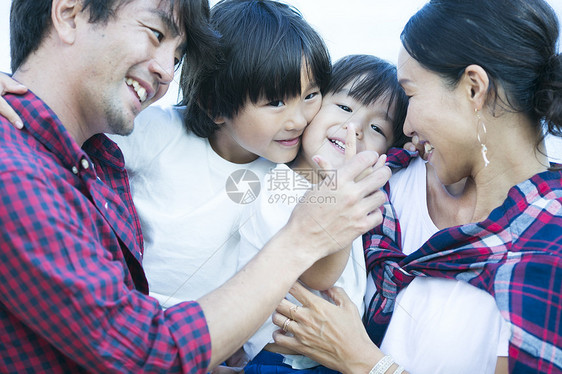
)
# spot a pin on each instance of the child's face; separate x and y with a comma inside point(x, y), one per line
point(327, 132)
point(272, 130)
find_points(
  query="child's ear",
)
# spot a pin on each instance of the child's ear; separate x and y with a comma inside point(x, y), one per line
point(219, 120)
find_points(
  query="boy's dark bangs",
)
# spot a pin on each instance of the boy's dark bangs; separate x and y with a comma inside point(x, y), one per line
point(278, 71)
point(367, 90)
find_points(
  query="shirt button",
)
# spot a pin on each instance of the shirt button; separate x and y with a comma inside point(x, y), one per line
point(85, 163)
point(106, 205)
point(75, 170)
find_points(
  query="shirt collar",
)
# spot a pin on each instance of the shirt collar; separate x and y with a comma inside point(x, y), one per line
point(45, 126)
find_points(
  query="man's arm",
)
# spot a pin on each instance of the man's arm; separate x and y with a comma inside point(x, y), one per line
point(67, 294)
point(326, 271)
point(236, 310)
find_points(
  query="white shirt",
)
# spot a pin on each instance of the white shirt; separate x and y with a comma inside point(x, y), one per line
point(189, 223)
point(438, 325)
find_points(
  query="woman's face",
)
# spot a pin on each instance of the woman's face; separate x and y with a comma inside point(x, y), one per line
point(441, 117)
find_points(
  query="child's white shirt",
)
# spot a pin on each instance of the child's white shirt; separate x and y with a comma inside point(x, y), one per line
point(189, 222)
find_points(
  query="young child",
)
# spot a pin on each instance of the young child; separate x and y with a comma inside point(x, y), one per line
point(363, 109)
point(252, 108)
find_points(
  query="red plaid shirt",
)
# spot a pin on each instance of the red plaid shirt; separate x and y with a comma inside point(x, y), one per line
point(73, 292)
point(515, 255)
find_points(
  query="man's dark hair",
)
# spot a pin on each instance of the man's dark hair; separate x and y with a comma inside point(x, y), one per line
point(30, 21)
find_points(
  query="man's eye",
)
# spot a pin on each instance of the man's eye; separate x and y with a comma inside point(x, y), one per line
point(276, 103)
point(345, 108)
point(310, 96)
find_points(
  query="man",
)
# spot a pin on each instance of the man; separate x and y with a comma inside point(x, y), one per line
point(74, 295)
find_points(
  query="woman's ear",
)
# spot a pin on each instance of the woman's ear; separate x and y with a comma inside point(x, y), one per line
point(476, 83)
point(63, 17)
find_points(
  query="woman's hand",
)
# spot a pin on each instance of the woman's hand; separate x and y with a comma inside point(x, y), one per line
point(8, 85)
point(331, 334)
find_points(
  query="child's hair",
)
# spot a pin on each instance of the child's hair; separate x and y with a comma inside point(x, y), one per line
point(264, 45)
point(372, 79)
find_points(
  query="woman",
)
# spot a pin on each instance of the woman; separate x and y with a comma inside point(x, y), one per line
point(483, 293)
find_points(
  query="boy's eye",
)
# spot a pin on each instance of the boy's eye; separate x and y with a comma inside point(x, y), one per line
point(345, 108)
point(377, 129)
point(310, 96)
point(276, 103)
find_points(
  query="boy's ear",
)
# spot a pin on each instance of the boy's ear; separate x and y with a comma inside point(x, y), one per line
point(476, 83)
point(219, 120)
point(64, 14)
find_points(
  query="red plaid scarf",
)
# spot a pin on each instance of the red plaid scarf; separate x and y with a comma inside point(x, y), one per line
point(515, 255)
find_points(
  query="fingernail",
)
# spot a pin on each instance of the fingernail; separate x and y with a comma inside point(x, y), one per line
point(316, 159)
point(18, 124)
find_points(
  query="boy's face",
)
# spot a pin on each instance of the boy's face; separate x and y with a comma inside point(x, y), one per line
point(326, 133)
point(269, 129)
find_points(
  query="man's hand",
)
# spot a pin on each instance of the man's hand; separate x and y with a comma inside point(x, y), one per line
point(343, 206)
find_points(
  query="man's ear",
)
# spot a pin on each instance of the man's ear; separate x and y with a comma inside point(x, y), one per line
point(476, 83)
point(64, 15)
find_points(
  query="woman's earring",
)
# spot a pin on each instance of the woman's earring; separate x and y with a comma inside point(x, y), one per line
point(482, 129)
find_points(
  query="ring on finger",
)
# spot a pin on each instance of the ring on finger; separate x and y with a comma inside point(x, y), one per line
point(286, 324)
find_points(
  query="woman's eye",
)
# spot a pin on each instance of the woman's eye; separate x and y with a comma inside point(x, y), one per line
point(158, 34)
point(276, 103)
point(345, 108)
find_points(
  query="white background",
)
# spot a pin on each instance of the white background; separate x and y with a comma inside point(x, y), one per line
point(350, 26)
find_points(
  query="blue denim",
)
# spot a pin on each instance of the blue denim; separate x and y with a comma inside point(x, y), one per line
point(272, 363)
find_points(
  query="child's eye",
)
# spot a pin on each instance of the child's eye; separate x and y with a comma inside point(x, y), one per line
point(345, 108)
point(276, 103)
point(311, 96)
point(377, 129)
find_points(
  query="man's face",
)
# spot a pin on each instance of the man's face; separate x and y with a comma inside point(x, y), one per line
point(127, 64)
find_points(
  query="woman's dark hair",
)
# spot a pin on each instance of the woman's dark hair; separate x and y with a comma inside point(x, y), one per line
point(372, 79)
point(513, 41)
point(30, 21)
point(264, 45)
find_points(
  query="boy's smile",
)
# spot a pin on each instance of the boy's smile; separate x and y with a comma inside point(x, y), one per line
point(327, 132)
point(268, 129)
